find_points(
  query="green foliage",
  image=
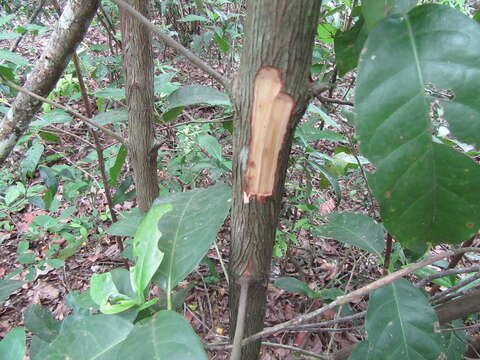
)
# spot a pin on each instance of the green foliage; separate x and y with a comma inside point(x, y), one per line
point(423, 198)
point(355, 229)
point(7, 287)
point(12, 347)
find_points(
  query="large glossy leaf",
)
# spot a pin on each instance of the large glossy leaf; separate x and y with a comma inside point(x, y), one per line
point(426, 191)
point(189, 230)
point(196, 94)
point(12, 347)
point(400, 323)
point(165, 336)
point(348, 45)
point(145, 248)
point(355, 229)
point(7, 287)
point(364, 351)
point(91, 338)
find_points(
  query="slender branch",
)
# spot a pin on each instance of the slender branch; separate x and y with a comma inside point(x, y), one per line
point(194, 59)
point(295, 349)
point(242, 306)
point(448, 272)
point(66, 109)
point(321, 325)
point(334, 101)
point(357, 293)
point(445, 294)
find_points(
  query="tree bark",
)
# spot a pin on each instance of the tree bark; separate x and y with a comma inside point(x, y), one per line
point(69, 31)
point(278, 40)
point(138, 62)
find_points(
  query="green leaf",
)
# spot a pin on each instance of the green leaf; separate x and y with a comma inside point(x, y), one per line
point(7, 287)
point(111, 117)
point(111, 93)
point(52, 185)
point(196, 95)
point(55, 116)
point(455, 342)
point(211, 146)
point(189, 230)
point(375, 10)
point(400, 323)
point(364, 351)
point(7, 18)
point(193, 17)
point(7, 73)
point(32, 157)
point(104, 292)
point(13, 193)
point(357, 230)
point(164, 336)
point(348, 45)
point(12, 347)
point(145, 248)
point(9, 35)
point(92, 338)
point(222, 42)
point(127, 225)
point(326, 32)
point(294, 285)
point(40, 321)
point(163, 85)
point(16, 59)
point(424, 189)
point(115, 170)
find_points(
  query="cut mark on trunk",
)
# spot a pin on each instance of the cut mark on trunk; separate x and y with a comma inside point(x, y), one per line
point(272, 110)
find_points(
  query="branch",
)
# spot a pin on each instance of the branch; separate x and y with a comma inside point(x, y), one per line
point(242, 306)
point(194, 59)
point(357, 293)
point(66, 109)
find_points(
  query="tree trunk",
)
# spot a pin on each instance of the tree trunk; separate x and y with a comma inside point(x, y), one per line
point(138, 62)
point(69, 31)
point(271, 92)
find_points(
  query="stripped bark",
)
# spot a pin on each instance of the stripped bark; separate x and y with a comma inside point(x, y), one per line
point(68, 33)
point(278, 41)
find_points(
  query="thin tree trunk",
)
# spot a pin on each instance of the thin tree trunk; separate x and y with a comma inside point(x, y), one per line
point(138, 61)
point(69, 31)
point(278, 46)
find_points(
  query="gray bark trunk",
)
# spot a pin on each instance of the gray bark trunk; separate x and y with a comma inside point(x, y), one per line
point(70, 30)
point(138, 61)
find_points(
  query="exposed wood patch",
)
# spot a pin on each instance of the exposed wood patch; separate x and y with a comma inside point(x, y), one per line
point(271, 113)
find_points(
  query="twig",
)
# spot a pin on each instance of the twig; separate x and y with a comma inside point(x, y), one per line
point(296, 349)
point(388, 253)
point(443, 295)
point(356, 294)
point(334, 101)
point(32, 18)
point(66, 109)
point(194, 59)
point(222, 264)
point(448, 272)
point(471, 327)
point(241, 314)
point(324, 324)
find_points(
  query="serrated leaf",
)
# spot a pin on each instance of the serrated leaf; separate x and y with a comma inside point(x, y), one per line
point(7, 287)
point(400, 323)
point(164, 336)
point(92, 338)
point(12, 347)
point(145, 248)
point(195, 95)
point(424, 189)
point(294, 285)
point(189, 230)
point(357, 230)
